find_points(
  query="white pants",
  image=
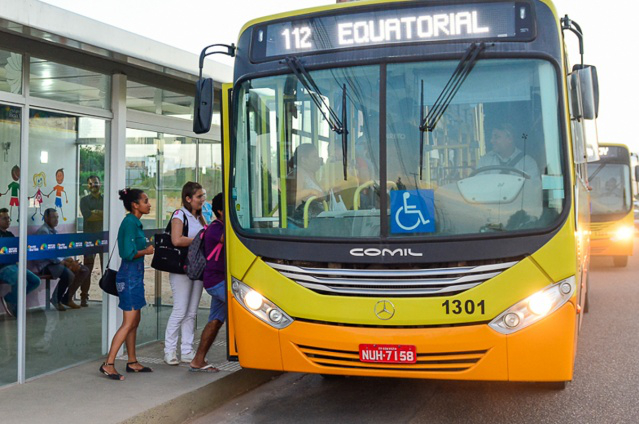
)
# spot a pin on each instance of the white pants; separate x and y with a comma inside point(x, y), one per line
point(186, 299)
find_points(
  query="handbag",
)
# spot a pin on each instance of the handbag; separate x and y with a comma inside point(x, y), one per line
point(168, 257)
point(107, 281)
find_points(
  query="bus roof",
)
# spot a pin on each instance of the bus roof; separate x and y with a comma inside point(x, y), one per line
point(625, 146)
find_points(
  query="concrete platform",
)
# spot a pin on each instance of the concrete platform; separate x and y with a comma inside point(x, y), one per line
point(171, 394)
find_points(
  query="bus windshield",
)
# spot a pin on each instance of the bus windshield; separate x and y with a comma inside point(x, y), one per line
point(611, 192)
point(493, 163)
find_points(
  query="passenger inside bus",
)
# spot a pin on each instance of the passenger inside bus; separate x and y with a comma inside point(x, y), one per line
point(505, 153)
point(332, 176)
point(302, 181)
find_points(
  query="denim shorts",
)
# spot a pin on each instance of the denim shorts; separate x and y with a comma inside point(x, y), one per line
point(130, 285)
point(218, 302)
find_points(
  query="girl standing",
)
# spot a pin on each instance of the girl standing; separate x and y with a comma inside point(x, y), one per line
point(130, 280)
point(186, 292)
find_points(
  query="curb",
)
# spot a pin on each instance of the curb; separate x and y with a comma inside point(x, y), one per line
point(205, 399)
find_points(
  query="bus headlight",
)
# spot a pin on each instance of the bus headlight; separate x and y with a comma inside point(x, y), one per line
point(534, 307)
point(260, 306)
point(623, 233)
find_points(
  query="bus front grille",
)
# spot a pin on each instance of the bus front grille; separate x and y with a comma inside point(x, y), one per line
point(391, 282)
point(426, 362)
point(600, 230)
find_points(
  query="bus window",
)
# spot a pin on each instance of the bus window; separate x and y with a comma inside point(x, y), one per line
point(493, 161)
point(292, 181)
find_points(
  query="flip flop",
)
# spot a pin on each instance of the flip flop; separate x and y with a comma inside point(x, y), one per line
point(205, 368)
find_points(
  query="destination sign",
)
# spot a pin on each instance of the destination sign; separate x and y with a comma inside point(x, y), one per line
point(512, 21)
point(609, 153)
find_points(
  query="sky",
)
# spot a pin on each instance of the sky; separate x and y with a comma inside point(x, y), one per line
point(194, 24)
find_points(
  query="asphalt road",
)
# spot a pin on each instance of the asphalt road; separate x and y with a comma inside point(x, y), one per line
point(605, 388)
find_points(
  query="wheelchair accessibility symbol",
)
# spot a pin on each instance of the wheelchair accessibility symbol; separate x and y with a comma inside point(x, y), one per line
point(412, 211)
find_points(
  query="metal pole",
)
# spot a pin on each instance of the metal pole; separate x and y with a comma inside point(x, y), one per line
point(117, 181)
point(22, 227)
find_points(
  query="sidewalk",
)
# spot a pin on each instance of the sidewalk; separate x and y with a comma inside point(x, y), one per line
point(171, 394)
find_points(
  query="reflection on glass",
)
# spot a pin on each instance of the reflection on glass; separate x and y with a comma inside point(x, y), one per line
point(9, 158)
point(210, 168)
point(492, 163)
point(64, 320)
point(54, 81)
point(293, 174)
point(611, 192)
point(10, 72)
point(158, 101)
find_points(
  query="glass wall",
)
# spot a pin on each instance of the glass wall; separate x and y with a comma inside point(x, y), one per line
point(155, 100)
point(161, 164)
point(54, 81)
point(66, 239)
point(10, 118)
point(67, 206)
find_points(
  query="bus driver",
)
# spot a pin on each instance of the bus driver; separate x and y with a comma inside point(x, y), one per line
point(506, 154)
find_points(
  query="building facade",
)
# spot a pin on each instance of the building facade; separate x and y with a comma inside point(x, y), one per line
point(87, 109)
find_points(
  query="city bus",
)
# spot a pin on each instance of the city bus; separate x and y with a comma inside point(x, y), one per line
point(611, 213)
point(406, 191)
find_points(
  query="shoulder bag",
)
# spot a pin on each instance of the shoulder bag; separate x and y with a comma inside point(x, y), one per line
point(168, 257)
point(107, 281)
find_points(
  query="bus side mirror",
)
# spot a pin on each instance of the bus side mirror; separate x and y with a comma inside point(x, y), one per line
point(636, 172)
point(574, 93)
point(203, 114)
point(589, 88)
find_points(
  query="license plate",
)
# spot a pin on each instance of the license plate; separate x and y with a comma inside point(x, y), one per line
point(388, 354)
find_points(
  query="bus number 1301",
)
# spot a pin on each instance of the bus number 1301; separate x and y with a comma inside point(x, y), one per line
point(457, 307)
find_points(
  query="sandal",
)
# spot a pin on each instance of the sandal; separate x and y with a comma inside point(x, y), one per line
point(206, 368)
point(143, 369)
point(112, 376)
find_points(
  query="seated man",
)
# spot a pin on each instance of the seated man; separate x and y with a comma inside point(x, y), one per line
point(9, 272)
point(613, 188)
point(62, 268)
point(505, 153)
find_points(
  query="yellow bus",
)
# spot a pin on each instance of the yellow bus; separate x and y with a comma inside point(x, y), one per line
point(406, 190)
point(612, 216)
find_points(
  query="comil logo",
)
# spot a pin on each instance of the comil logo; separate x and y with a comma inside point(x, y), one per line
point(360, 251)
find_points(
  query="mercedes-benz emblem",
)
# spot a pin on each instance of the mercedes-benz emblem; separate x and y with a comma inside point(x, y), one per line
point(384, 309)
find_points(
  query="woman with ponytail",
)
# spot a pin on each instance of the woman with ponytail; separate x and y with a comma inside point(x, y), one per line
point(130, 281)
point(186, 292)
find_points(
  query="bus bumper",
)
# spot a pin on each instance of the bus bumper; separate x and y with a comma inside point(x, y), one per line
point(542, 352)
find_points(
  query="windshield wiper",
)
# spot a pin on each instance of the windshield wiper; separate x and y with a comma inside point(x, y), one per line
point(334, 122)
point(594, 174)
point(421, 132)
point(429, 122)
point(464, 67)
point(344, 134)
point(313, 91)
